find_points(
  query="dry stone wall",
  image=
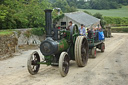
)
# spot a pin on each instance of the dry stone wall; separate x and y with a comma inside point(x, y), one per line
point(8, 45)
point(26, 38)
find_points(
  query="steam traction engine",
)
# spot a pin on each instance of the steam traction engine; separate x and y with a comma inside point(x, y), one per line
point(59, 47)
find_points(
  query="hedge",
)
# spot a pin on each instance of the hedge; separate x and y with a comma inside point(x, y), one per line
point(38, 31)
point(116, 20)
point(119, 29)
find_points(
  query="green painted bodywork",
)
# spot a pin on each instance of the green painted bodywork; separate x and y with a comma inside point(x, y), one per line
point(71, 52)
point(92, 43)
point(48, 60)
point(65, 44)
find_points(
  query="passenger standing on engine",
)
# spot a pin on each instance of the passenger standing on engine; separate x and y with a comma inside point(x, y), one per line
point(82, 30)
point(70, 25)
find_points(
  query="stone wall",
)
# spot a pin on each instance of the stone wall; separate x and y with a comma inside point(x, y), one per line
point(8, 45)
point(26, 38)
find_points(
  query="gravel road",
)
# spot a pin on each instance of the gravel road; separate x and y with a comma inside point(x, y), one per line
point(109, 68)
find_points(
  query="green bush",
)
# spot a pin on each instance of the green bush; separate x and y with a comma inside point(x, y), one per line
point(116, 20)
point(7, 18)
point(38, 31)
point(57, 18)
point(102, 21)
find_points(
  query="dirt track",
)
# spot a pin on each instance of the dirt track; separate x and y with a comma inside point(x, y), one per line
point(109, 68)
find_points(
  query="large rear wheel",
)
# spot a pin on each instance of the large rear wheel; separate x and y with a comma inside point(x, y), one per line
point(81, 51)
point(32, 65)
point(64, 64)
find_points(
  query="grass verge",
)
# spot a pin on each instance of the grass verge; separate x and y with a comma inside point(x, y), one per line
point(6, 32)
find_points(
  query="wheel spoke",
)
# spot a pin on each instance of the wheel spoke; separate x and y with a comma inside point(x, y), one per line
point(35, 58)
point(65, 66)
point(33, 67)
point(83, 52)
point(83, 43)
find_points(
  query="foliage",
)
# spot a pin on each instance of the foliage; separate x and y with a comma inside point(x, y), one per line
point(64, 5)
point(58, 18)
point(101, 4)
point(111, 20)
point(29, 13)
point(104, 4)
point(7, 19)
point(55, 13)
point(38, 31)
point(22, 13)
point(88, 4)
point(102, 21)
point(116, 20)
point(98, 15)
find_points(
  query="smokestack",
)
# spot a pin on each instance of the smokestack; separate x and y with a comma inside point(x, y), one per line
point(48, 21)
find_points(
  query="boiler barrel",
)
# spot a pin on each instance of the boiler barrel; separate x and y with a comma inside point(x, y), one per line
point(51, 47)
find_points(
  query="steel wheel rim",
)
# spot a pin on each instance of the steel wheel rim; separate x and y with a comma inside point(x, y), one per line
point(64, 64)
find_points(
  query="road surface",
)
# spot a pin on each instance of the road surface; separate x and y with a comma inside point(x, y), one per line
point(109, 68)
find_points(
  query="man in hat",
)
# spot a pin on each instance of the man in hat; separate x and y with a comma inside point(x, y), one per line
point(82, 30)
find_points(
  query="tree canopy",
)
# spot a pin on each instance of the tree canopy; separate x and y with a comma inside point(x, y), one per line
point(91, 4)
point(64, 5)
point(22, 13)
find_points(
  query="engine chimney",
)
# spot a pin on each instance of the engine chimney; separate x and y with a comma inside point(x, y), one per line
point(48, 22)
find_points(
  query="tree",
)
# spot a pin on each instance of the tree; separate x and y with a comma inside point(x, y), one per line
point(64, 5)
point(102, 21)
point(101, 4)
point(22, 13)
point(7, 19)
